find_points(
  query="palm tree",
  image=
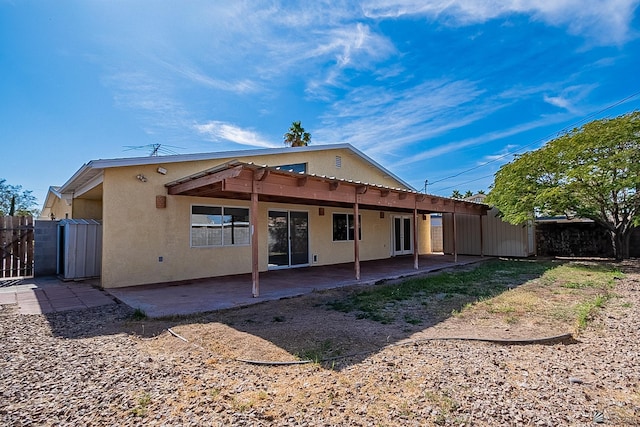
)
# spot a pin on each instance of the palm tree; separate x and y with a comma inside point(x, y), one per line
point(456, 195)
point(297, 137)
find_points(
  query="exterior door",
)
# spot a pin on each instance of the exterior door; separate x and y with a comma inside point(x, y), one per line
point(402, 236)
point(288, 239)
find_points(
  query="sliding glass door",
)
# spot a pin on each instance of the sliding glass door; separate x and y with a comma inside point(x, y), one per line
point(288, 239)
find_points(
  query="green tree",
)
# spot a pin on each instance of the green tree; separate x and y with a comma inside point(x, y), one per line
point(468, 193)
point(297, 137)
point(16, 201)
point(592, 172)
point(456, 194)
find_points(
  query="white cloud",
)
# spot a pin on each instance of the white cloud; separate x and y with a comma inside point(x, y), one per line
point(249, 48)
point(603, 21)
point(391, 123)
point(504, 153)
point(569, 97)
point(385, 120)
point(558, 101)
point(217, 130)
point(322, 56)
point(150, 99)
point(240, 86)
point(480, 140)
point(353, 46)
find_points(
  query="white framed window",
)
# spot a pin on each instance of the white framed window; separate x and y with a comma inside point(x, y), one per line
point(344, 226)
point(294, 167)
point(219, 226)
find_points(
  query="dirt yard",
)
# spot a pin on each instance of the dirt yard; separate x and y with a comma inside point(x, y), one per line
point(435, 358)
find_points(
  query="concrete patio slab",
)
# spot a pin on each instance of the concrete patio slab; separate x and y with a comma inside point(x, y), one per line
point(49, 295)
point(218, 293)
point(7, 298)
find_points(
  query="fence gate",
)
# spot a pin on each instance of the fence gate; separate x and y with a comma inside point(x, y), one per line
point(16, 246)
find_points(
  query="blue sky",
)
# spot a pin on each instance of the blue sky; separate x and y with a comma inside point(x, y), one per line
point(444, 92)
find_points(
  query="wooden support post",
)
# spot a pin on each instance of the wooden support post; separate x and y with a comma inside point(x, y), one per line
point(356, 238)
point(254, 242)
point(415, 238)
point(455, 237)
point(481, 237)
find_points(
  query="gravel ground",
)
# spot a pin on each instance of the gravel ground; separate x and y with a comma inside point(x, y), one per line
point(89, 368)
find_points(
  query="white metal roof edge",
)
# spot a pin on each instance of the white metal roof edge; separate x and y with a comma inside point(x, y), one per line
point(52, 192)
point(176, 158)
point(55, 190)
point(82, 175)
point(89, 170)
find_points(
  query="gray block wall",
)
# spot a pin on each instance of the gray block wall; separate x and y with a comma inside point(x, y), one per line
point(45, 247)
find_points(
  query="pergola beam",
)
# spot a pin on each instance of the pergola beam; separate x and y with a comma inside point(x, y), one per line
point(205, 180)
point(271, 183)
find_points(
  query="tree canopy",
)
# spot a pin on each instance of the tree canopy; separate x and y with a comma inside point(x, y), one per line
point(296, 136)
point(16, 201)
point(456, 194)
point(591, 172)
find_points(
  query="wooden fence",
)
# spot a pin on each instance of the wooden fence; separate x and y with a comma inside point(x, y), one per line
point(16, 246)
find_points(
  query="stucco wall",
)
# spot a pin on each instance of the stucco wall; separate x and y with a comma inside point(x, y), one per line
point(61, 209)
point(424, 234)
point(87, 209)
point(145, 244)
point(374, 244)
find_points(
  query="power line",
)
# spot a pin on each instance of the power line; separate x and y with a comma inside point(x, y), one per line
point(565, 129)
point(467, 182)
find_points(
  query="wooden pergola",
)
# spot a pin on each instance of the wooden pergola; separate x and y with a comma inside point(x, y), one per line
point(248, 181)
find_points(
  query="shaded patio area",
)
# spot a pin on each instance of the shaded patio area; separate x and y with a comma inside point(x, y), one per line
point(218, 293)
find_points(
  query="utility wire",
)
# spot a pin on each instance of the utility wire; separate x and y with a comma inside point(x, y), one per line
point(563, 130)
point(464, 183)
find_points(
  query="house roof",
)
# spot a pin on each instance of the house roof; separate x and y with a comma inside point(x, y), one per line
point(90, 174)
point(52, 194)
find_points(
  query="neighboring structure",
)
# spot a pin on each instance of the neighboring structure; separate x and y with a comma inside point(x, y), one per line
point(487, 235)
point(437, 238)
point(56, 206)
point(578, 237)
point(182, 217)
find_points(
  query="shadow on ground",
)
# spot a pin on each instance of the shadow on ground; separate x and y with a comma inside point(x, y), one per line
point(313, 327)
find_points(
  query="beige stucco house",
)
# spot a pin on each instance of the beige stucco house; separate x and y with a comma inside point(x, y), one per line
point(182, 217)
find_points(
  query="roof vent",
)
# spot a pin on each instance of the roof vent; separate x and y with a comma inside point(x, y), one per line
point(338, 162)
